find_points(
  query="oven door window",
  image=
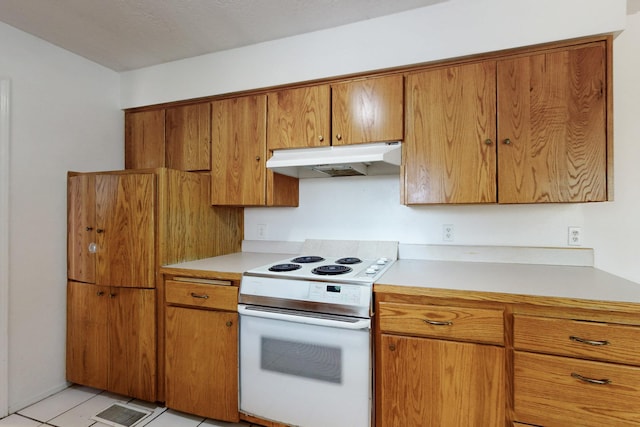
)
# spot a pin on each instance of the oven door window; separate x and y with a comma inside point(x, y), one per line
point(303, 374)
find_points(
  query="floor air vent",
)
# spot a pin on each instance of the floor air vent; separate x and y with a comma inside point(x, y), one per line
point(120, 415)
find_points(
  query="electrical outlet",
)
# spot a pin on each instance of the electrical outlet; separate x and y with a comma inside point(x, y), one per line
point(262, 231)
point(575, 236)
point(448, 232)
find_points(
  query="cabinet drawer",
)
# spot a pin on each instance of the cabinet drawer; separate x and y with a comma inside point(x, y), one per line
point(548, 392)
point(202, 295)
point(589, 340)
point(456, 323)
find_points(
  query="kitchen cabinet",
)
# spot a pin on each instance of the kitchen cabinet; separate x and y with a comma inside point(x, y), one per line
point(529, 128)
point(239, 176)
point(368, 110)
point(111, 339)
point(575, 369)
point(144, 145)
point(122, 226)
point(439, 365)
point(202, 317)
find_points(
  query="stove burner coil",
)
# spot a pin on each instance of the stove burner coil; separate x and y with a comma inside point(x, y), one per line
point(284, 267)
point(349, 260)
point(331, 270)
point(307, 259)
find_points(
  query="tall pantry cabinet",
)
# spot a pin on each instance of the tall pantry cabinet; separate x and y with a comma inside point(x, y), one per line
point(122, 226)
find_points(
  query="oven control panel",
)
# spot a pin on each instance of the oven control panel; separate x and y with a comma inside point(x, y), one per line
point(337, 293)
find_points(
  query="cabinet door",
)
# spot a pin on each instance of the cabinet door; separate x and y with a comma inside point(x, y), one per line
point(144, 139)
point(552, 121)
point(238, 147)
point(368, 110)
point(425, 382)
point(87, 341)
point(450, 150)
point(125, 225)
point(188, 137)
point(132, 342)
point(81, 228)
point(202, 362)
point(299, 118)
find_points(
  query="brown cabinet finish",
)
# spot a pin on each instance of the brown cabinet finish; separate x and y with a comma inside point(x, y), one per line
point(368, 110)
point(299, 118)
point(81, 226)
point(429, 382)
point(450, 153)
point(552, 125)
point(188, 137)
point(144, 139)
point(111, 341)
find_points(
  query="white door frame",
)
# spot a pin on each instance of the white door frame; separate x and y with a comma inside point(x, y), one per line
point(4, 245)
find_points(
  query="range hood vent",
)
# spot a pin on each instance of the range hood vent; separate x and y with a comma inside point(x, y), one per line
point(380, 158)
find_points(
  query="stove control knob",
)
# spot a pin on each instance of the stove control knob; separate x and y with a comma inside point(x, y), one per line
point(371, 270)
point(382, 261)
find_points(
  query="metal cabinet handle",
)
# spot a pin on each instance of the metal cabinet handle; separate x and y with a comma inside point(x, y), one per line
point(488, 141)
point(589, 342)
point(507, 141)
point(112, 295)
point(100, 293)
point(590, 380)
point(321, 138)
point(100, 230)
point(229, 323)
point(339, 137)
point(437, 323)
point(89, 228)
point(257, 158)
point(201, 296)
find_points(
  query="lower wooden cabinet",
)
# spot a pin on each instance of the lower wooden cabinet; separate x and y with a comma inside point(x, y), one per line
point(111, 339)
point(201, 350)
point(430, 382)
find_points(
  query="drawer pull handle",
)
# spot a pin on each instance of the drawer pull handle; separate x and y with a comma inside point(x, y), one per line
point(590, 380)
point(201, 296)
point(589, 342)
point(437, 323)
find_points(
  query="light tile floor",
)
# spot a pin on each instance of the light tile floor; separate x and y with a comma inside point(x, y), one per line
point(74, 407)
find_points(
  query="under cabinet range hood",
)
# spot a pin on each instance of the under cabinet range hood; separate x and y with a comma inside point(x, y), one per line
point(380, 158)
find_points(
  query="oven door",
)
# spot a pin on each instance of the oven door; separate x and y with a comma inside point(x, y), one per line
point(305, 371)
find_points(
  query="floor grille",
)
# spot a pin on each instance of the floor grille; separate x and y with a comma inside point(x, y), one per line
point(120, 415)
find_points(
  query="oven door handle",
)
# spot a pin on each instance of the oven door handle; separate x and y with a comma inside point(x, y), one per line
point(335, 322)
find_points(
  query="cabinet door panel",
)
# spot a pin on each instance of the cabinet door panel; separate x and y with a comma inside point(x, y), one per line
point(202, 362)
point(299, 118)
point(368, 110)
point(552, 109)
point(87, 343)
point(426, 382)
point(132, 342)
point(125, 221)
point(81, 228)
point(188, 137)
point(144, 139)
point(238, 146)
point(450, 150)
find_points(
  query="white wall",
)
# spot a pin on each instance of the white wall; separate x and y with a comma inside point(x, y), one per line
point(65, 115)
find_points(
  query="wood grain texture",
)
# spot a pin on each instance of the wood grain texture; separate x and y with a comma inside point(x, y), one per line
point(201, 295)
point(450, 152)
point(132, 342)
point(87, 358)
point(552, 107)
point(467, 324)
point(547, 394)
point(81, 228)
point(299, 118)
point(144, 143)
point(282, 190)
point(202, 362)
point(188, 137)
point(552, 336)
point(427, 382)
point(238, 148)
point(125, 212)
point(367, 110)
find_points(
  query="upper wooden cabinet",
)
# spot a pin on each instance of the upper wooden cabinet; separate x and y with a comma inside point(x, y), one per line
point(530, 128)
point(367, 110)
point(144, 139)
point(239, 150)
point(176, 137)
point(188, 137)
point(299, 118)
